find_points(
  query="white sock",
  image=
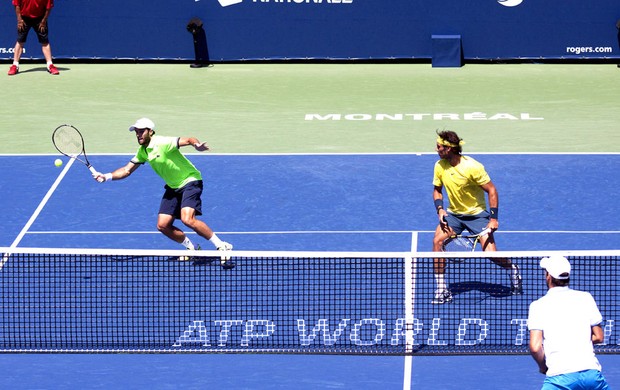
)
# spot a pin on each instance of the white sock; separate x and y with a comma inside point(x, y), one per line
point(188, 244)
point(441, 282)
point(16, 63)
point(216, 241)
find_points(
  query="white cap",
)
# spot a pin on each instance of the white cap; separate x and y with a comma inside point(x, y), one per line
point(557, 266)
point(143, 123)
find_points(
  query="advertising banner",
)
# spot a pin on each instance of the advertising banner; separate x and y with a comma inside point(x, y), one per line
point(238, 30)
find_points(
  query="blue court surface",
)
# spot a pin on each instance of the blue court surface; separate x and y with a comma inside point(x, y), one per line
point(335, 202)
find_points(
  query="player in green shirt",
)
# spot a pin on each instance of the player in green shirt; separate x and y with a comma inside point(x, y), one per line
point(466, 182)
point(183, 190)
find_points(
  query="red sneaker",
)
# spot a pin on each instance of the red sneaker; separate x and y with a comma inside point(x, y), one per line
point(52, 69)
point(13, 70)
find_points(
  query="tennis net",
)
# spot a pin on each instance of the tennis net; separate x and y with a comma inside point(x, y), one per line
point(87, 300)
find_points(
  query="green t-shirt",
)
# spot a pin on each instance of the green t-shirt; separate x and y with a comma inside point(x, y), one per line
point(164, 156)
point(462, 184)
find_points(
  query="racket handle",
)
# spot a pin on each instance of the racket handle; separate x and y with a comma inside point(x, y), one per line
point(92, 169)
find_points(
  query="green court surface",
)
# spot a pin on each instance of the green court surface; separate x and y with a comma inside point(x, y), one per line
point(318, 108)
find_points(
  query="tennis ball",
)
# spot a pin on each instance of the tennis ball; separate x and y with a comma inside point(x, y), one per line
point(58, 162)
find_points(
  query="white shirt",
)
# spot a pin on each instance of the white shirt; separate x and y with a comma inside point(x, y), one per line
point(566, 317)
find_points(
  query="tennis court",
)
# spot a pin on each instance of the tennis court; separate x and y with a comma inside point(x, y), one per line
point(287, 174)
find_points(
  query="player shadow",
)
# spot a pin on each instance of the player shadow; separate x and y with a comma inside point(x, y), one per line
point(121, 259)
point(41, 69)
point(213, 261)
point(491, 289)
point(204, 261)
point(197, 261)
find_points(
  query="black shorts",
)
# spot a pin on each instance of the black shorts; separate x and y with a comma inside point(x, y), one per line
point(187, 196)
point(32, 23)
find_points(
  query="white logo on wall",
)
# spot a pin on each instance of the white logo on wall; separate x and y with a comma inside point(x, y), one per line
point(510, 3)
point(226, 3)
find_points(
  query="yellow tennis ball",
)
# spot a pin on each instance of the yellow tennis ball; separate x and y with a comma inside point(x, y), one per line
point(58, 162)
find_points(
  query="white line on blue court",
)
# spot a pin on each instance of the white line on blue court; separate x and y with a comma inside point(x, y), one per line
point(36, 213)
point(326, 232)
point(410, 286)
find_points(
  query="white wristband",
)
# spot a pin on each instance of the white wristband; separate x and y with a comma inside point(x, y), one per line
point(107, 176)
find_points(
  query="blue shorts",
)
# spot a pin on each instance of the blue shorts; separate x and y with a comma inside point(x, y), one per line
point(587, 379)
point(32, 23)
point(472, 223)
point(187, 196)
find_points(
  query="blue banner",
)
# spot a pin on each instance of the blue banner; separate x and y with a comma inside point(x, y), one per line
point(323, 29)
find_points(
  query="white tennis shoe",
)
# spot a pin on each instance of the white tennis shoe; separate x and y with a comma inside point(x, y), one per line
point(188, 258)
point(225, 258)
point(442, 296)
point(516, 282)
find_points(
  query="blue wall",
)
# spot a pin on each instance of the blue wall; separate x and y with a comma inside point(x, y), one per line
point(323, 29)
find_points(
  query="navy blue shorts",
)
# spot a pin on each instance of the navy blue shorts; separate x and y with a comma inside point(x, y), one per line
point(187, 196)
point(32, 23)
point(472, 223)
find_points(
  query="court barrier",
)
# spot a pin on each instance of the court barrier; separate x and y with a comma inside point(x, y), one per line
point(242, 30)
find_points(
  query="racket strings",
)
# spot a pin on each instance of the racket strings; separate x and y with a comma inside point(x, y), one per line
point(458, 244)
point(68, 141)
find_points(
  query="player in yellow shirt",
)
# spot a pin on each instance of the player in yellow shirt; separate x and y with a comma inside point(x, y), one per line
point(466, 183)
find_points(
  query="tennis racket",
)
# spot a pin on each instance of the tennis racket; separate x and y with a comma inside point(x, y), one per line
point(69, 141)
point(463, 243)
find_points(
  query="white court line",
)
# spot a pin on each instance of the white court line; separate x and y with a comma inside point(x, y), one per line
point(410, 284)
point(223, 232)
point(327, 232)
point(36, 213)
point(276, 154)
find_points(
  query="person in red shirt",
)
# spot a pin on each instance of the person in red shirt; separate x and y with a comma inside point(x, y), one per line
point(32, 14)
